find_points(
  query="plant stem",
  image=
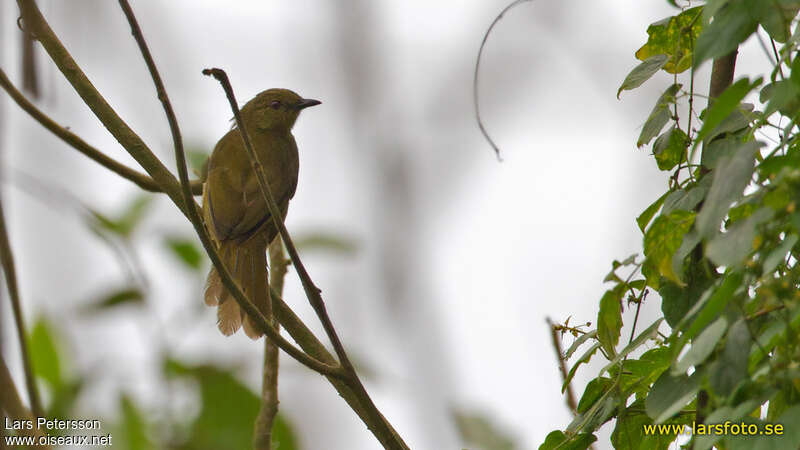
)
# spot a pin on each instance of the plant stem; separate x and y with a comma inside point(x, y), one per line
point(262, 437)
point(11, 405)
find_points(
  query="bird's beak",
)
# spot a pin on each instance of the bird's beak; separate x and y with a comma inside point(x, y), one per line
point(306, 102)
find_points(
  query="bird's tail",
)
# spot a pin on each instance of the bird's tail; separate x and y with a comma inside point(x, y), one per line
point(247, 263)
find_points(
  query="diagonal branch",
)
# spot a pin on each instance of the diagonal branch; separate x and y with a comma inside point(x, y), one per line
point(193, 213)
point(138, 178)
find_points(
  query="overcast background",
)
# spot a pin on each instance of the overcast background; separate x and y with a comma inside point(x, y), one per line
point(459, 257)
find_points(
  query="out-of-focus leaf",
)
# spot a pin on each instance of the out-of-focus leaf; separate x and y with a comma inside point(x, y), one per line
point(734, 246)
point(585, 357)
point(638, 374)
point(702, 346)
point(132, 431)
point(129, 295)
point(558, 440)
point(629, 432)
point(729, 180)
point(596, 388)
point(227, 408)
point(659, 116)
point(186, 251)
point(650, 332)
point(644, 218)
point(778, 255)
point(783, 96)
point(480, 432)
point(663, 239)
point(643, 72)
point(732, 24)
point(731, 367)
point(330, 242)
point(283, 436)
point(128, 220)
point(729, 102)
point(197, 160)
point(64, 397)
point(670, 394)
point(578, 342)
point(775, 17)
point(44, 353)
point(670, 147)
point(675, 37)
point(609, 319)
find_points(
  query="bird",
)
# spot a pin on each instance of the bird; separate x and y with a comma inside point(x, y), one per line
point(234, 209)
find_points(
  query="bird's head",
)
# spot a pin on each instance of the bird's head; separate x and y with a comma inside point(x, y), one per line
point(275, 109)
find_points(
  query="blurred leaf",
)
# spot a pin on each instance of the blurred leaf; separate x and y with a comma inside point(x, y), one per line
point(62, 403)
point(675, 37)
point(585, 357)
point(775, 17)
point(186, 251)
point(670, 394)
point(650, 332)
point(638, 374)
point(684, 200)
point(594, 390)
point(44, 353)
point(479, 432)
point(664, 237)
point(783, 96)
point(729, 180)
point(726, 104)
point(578, 342)
point(227, 408)
point(196, 160)
point(643, 72)
point(731, 367)
point(283, 437)
point(659, 116)
point(609, 319)
point(644, 218)
point(629, 432)
point(777, 256)
point(132, 433)
point(732, 24)
point(708, 308)
point(670, 147)
point(324, 241)
point(734, 246)
point(124, 296)
point(702, 346)
point(558, 440)
point(128, 220)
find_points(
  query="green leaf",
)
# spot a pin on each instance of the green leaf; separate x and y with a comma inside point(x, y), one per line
point(479, 431)
point(609, 319)
point(283, 435)
point(186, 251)
point(729, 180)
point(44, 354)
point(684, 200)
point(132, 433)
point(650, 333)
point(128, 220)
point(227, 408)
point(731, 367)
point(783, 96)
point(594, 390)
point(197, 160)
point(558, 440)
point(129, 295)
point(659, 116)
point(638, 374)
point(731, 26)
point(733, 247)
point(644, 218)
point(775, 17)
point(578, 342)
point(325, 241)
point(670, 394)
point(629, 432)
point(643, 72)
point(702, 346)
point(725, 105)
point(777, 256)
point(677, 300)
point(670, 148)
point(673, 36)
point(663, 239)
point(587, 355)
point(707, 308)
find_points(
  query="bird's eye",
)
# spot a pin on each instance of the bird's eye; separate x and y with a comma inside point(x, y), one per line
point(275, 104)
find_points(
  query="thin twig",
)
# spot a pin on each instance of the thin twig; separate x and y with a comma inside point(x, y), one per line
point(75, 141)
point(562, 367)
point(477, 72)
point(262, 436)
point(11, 405)
point(194, 215)
point(7, 259)
point(386, 434)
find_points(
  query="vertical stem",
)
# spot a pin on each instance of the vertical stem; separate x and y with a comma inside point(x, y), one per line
point(262, 438)
point(562, 368)
point(9, 270)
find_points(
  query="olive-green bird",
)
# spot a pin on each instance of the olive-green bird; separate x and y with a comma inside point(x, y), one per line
point(234, 209)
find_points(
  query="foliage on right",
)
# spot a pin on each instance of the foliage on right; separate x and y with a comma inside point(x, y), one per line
point(720, 249)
